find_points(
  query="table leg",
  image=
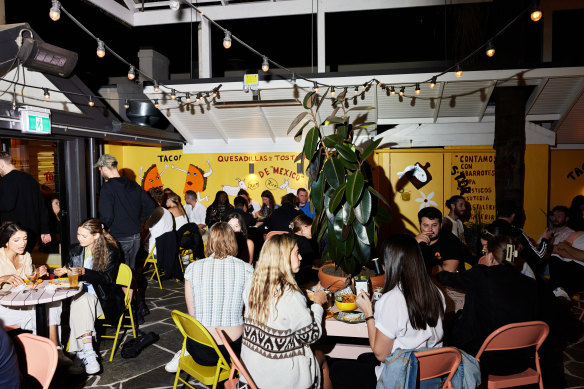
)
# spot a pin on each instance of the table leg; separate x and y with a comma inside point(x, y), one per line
point(42, 327)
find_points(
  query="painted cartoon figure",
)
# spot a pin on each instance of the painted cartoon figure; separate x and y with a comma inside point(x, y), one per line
point(417, 174)
point(233, 190)
point(152, 178)
point(286, 185)
point(196, 179)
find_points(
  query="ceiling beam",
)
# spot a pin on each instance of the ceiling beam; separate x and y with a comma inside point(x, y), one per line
point(116, 10)
point(571, 102)
point(268, 125)
point(535, 95)
point(217, 124)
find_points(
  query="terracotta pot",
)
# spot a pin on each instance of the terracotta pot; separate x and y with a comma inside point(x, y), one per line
point(377, 281)
point(336, 282)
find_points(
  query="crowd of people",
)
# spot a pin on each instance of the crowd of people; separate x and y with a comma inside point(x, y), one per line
point(250, 287)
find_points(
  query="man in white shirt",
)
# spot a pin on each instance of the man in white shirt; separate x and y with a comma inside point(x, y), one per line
point(196, 211)
point(457, 206)
point(560, 231)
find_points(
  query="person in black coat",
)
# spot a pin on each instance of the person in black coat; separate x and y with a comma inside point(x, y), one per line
point(96, 260)
point(281, 218)
point(301, 227)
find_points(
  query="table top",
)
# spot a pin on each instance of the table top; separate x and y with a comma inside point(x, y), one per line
point(336, 327)
point(38, 295)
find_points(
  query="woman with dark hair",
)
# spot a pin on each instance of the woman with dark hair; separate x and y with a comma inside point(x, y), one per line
point(218, 208)
point(245, 245)
point(301, 227)
point(174, 206)
point(407, 316)
point(96, 259)
point(268, 205)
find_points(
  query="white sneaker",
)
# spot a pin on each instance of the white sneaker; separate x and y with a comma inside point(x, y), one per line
point(561, 293)
point(172, 366)
point(89, 359)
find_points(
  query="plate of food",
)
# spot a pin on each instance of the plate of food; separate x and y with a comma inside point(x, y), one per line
point(351, 317)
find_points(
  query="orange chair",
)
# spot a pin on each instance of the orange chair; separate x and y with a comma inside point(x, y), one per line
point(40, 355)
point(516, 336)
point(438, 362)
point(236, 364)
point(272, 233)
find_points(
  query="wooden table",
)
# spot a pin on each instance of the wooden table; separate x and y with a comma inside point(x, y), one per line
point(340, 329)
point(38, 297)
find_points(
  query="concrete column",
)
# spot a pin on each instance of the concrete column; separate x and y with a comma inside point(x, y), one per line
point(320, 37)
point(205, 61)
point(153, 63)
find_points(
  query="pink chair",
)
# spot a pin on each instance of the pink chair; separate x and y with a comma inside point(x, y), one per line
point(515, 336)
point(438, 362)
point(236, 364)
point(40, 355)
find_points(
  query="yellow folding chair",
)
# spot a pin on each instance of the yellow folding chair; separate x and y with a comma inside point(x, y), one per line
point(152, 259)
point(207, 375)
point(124, 279)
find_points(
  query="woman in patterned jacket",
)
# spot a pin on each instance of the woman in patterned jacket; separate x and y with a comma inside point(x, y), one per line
point(278, 327)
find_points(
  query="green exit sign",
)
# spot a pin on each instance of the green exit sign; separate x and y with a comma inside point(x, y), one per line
point(37, 121)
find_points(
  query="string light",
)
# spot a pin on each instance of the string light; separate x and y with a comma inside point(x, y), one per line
point(315, 87)
point(55, 12)
point(188, 97)
point(173, 94)
point(46, 93)
point(156, 103)
point(100, 48)
point(418, 90)
point(392, 90)
point(131, 73)
point(332, 91)
point(433, 82)
point(536, 13)
point(379, 84)
point(174, 5)
point(127, 104)
point(198, 97)
point(265, 64)
point(356, 90)
point(91, 103)
point(227, 40)
point(156, 87)
point(490, 49)
point(458, 71)
point(402, 91)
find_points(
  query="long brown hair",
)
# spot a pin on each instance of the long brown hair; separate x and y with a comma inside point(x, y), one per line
point(272, 203)
point(100, 250)
point(176, 200)
point(404, 268)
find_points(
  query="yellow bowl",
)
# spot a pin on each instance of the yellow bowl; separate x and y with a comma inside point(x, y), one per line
point(346, 306)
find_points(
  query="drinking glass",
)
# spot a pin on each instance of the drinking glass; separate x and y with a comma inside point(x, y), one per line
point(73, 275)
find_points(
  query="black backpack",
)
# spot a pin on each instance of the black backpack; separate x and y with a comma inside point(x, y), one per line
point(133, 347)
point(189, 238)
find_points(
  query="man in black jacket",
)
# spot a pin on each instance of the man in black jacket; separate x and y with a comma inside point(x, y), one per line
point(123, 206)
point(21, 202)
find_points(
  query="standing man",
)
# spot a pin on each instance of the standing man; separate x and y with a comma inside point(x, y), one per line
point(457, 206)
point(123, 207)
point(195, 210)
point(21, 202)
point(438, 247)
point(303, 202)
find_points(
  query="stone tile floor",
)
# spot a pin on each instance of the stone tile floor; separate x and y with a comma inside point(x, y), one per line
point(147, 370)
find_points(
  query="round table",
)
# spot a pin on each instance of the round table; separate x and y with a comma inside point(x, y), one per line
point(38, 297)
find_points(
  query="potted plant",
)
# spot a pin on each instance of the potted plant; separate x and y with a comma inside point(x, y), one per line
point(347, 213)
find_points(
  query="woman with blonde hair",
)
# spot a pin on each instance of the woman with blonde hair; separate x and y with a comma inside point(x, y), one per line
point(214, 295)
point(278, 327)
point(174, 205)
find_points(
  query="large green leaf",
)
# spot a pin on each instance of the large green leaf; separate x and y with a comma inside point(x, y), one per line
point(338, 227)
point(333, 120)
point(362, 252)
point(317, 193)
point(361, 108)
point(311, 142)
point(361, 233)
point(308, 100)
point(332, 141)
point(337, 198)
point(326, 201)
point(363, 209)
point(346, 152)
point(348, 214)
point(298, 135)
point(334, 172)
point(355, 183)
point(366, 124)
point(378, 195)
point(314, 165)
point(296, 121)
point(370, 229)
point(342, 131)
point(372, 146)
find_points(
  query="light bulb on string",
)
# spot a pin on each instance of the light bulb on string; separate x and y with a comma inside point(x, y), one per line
point(392, 90)
point(126, 104)
point(433, 82)
point(100, 48)
point(156, 103)
point(188, 97)
point(402, 91)
point(55, 12)
point(91, 103)
point(46, 93)
point(174, 5)
point(156, 87)
point(265, 64)
point(379, 84)
point(173, 94)
point(227, 40)
point(198, 97)
point(458, 71)
point(332, 91)
point(315, 87)
point(356, 90)
point(536, 13)
point(418, 90)
point(490, 49)
point(131, 73)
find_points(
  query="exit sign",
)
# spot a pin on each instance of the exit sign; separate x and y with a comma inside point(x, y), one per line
point(35, 120)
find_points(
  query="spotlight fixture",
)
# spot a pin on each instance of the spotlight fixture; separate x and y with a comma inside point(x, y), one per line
point(174, 5)
point(55, 12)
point(156, 87)
point(315, 87)
point(402, 90)
point(91, 103)
point(433, 82)
point(126, 104)
point(265, 64)
point(356, 90)
point(173, 94)
point(100, 48)
point(332, 91)
point(392, 90)
point(418, 90)
point(131, 73)
point(227, 40)
point(458, 71)
point(156, 103)
point(188, 97)
point(536, 13)
point(46, 93)
point(490, 49)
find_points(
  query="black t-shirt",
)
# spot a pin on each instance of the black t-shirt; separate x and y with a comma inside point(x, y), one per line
point(447, 247)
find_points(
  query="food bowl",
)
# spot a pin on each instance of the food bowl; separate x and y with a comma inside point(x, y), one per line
point(346, 302)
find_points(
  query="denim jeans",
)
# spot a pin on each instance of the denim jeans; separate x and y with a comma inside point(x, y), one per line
point(129, 246)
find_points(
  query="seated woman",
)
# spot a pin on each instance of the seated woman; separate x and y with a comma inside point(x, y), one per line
point(268, 205)
point(407, 316)
point(214, 295)
point(16, 266)
point(279, 328)
point(219, 208)
point(245, 245)
point(301, 226)
point(96, 258)
point(496, 294)
point(174, 206)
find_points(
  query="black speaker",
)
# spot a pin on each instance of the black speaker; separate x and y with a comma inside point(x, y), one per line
point(46, 58)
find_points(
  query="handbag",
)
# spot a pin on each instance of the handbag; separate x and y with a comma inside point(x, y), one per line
point(133, 347)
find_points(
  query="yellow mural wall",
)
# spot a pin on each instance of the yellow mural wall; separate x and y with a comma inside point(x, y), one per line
point(535, 197)
point(209, 173)
point(566, 176)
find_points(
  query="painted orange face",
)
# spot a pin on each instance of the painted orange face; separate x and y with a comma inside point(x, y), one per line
point(151, 179)
point(195, 180)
